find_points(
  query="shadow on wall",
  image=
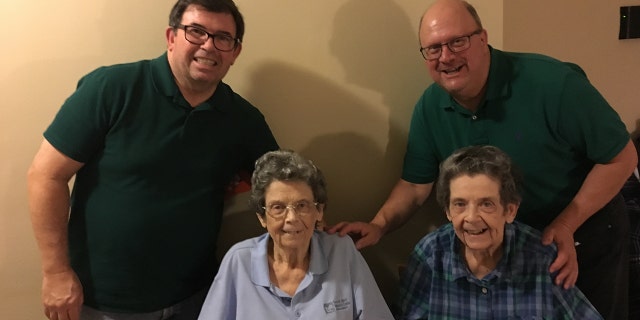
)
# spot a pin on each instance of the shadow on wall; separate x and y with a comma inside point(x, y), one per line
point(636, 131)
point(301, 107)
point(388, 63)
point(341, 132)
point(380, 52)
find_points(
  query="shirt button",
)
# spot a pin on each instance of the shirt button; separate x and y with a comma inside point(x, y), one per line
point(484, 290)
point(474, 117)
point(298, 314)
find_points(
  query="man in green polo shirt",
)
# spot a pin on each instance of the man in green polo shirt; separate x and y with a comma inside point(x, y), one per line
point(152, 145)
point(571, 146)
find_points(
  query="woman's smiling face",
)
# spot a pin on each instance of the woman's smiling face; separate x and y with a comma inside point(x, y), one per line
point(293, 231)
point(477, 213)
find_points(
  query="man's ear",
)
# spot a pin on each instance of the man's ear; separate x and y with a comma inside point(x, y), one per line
point(170, 34)
point(236, 52)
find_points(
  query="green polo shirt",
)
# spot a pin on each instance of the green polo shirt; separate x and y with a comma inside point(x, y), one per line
point(543, 112)
point(147, 204)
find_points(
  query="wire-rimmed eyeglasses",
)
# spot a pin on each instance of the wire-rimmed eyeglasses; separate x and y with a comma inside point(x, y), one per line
point(279, 210)
point(456, 45)
point(199, 36)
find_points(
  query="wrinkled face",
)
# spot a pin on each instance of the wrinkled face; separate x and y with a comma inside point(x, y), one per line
point(293, 231)
point(200, 67)
point(477, 214)
point(462, 74)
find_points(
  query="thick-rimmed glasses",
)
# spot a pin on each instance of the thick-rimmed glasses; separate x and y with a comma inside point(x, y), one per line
point(199, 36)
point(279, 210)
point(456, 45)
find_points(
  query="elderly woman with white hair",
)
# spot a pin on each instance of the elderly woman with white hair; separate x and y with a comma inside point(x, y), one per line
point(293, 271)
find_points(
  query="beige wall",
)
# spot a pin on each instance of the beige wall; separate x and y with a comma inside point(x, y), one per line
point(584, 32)
point(47, 46)
point(336, 79)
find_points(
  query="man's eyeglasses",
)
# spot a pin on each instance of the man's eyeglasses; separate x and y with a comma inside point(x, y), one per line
point(279, 210)
point(199, 36)
point(456, 45)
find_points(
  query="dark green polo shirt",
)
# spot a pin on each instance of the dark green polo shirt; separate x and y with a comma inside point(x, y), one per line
point(543, 112)
point(147, 204)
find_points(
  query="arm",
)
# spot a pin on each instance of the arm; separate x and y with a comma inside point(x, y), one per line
point(603, 182)
point(48, 189)
point(404, 200)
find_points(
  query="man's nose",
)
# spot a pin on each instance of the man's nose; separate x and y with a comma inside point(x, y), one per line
point(446, 54)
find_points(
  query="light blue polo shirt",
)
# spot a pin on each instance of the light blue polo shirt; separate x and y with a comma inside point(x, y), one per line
point(338, 285)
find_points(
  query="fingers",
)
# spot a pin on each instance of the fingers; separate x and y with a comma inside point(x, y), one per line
point(567, 276)
point(354, 228)
point(547, 236)
point(365, 241)
point(333, 229)
point(570, 280)
point(74, 313)
point(62, 296)
point(343, 228)
point(60, 315)
point(559, 262)
point(566, 264)
point(364, 234)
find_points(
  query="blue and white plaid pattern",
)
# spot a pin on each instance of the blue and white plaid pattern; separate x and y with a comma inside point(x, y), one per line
point(438, 285)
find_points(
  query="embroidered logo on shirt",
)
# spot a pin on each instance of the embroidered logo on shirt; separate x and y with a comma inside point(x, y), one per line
point(336, 305)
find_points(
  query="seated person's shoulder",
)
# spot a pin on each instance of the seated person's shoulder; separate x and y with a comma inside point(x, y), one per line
point(529, 241)
point(245, 247)
point(439, 239)
point(334, 240)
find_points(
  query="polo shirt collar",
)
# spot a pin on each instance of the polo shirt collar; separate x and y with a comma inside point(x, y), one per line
point(498, 85)
point(165, 84)
point(318, 263)
point(162, 76)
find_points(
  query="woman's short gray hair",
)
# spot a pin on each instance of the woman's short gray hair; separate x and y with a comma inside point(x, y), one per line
point(474, 160)
point(285, 165)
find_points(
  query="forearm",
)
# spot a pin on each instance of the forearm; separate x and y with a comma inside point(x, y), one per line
point(603, 182)
point(49, 207)
point(404, 200)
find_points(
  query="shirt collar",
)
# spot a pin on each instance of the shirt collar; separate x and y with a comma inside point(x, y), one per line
point(165, 84)
point(498, 85)
point(318, 263)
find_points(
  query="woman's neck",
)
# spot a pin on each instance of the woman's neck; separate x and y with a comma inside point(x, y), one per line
point(481, 263)
point(287, 269)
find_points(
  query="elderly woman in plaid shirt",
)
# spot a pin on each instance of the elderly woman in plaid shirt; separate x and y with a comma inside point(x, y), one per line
point(484, 265)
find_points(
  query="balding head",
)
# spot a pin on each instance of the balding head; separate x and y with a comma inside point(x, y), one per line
point(441, 7)
point(463, 70)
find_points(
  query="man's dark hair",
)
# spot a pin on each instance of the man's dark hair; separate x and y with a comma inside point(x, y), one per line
point(219, 6)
